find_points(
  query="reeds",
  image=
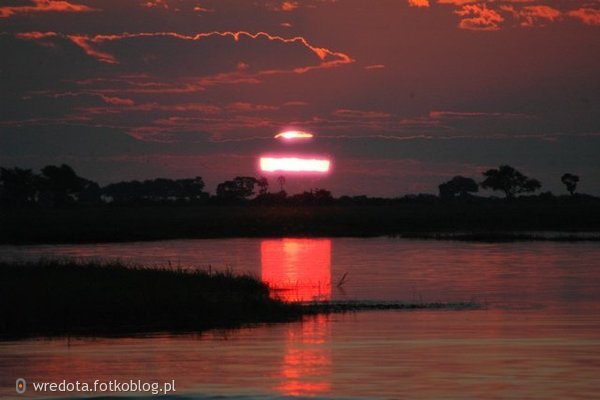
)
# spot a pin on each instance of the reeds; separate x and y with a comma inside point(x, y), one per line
point(93, 298)
point(62, 297)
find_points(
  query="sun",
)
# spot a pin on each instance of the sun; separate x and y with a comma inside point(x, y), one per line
point(294, 164)
point(294, 135)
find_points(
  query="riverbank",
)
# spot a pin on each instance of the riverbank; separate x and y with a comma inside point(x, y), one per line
point(486, 220)
point(64, 298)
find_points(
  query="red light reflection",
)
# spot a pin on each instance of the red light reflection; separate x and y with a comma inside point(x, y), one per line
point(306, 366)
point(297, 269)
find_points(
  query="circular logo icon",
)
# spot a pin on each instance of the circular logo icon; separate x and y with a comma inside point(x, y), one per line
point(21, 385)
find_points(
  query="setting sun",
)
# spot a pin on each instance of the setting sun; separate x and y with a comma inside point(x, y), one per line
point(294, 135)
point(294, 164)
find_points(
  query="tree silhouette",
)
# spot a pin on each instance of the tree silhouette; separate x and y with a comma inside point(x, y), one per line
point(18, 186)
point(570, 181)
point(124, 192)
point(241, 187)
point(322, 196)
point(156, 190)
point(510, 181)
point(281, 181)
point(60, 185)
point(190, 189)
point(457, 186)
point(263, 185)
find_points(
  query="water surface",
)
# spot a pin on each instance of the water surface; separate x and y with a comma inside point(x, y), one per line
point(538, 337)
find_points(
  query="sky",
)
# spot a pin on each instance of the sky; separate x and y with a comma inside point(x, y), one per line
point(401, 94)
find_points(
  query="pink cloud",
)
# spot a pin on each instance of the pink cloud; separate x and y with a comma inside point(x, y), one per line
point(329, 58)
point(250, 107)
point(589, 16)
point(289, 6)
point(84, 42)
point(418, 3)
point(473, 114)
point(531, 16)
point(346, 113)
point(44, 6)
point(117, 101)
point(156, 3)
point(295, 103)
point(479, 17)
point(457, 2)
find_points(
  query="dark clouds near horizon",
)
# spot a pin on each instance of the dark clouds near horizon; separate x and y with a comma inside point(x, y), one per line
point(403, 94)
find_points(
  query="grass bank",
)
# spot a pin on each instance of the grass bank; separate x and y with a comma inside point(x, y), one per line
point(51, 298)
point(61, 297)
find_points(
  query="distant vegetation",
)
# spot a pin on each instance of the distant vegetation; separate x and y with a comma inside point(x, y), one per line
point(57, 298)
point(59, 186)
point(58, 206)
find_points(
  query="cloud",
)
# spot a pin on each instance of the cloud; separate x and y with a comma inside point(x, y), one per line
point(473, 114)
point(362, 114)
point(375, 66)
point(289, 5)
point(86, 45)
point(295, 103)
point(285, 6)
point(589, 16)
point(90, 44)
point(38, 6)
point(478, 17)
point(459, 2)
point(418, 3)
point(488, 15)
point(531, 16)
point(156, 3)
point(250, 107)
point(117, 101)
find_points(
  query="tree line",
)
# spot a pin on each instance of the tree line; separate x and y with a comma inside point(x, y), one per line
point(505, 179)
point(56, 186)
point(60, 185)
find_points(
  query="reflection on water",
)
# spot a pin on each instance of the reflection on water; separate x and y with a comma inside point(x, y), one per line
point(297, 269)
point(537, 339)
point(306, 366)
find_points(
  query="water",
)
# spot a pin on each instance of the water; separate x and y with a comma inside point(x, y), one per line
point(538, 337)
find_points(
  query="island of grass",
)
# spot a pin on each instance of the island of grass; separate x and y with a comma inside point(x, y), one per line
point(62, 297)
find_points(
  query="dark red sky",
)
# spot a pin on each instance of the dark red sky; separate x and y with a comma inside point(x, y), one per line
point(404, 94)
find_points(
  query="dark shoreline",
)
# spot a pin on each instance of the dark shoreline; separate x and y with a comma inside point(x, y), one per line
point(476, 221)
point(57, 298)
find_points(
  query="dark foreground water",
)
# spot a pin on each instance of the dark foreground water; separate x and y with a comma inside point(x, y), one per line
point(538, 337)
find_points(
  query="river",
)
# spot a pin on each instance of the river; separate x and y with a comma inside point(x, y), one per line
point(537, 336)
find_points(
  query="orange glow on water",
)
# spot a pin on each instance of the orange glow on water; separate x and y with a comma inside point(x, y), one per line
point(307, 362)
point(293, 135)
point(297, 269)
point(294, 164)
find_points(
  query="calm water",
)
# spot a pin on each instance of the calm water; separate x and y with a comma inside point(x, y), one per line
point(539, 336)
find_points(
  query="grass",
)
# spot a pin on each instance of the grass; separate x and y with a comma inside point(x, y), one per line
point(53, 297)
point(157, 222)
point(61, 297)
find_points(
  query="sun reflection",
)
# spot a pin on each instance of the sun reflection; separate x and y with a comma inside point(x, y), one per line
point(307, 360)
point(297, 269)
